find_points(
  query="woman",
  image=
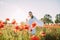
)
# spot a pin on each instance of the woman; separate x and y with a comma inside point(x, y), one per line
point(34, 19)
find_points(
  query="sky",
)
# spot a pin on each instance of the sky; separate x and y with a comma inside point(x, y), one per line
point(18, 9)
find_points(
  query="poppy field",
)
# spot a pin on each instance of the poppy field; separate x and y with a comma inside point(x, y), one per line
point(13, 31)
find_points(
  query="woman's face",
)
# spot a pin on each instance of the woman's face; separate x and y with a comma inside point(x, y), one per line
point(30, 14)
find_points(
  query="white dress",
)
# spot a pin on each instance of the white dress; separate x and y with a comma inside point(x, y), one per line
point(34, 19)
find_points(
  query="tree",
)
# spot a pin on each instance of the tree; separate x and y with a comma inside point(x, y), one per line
point(57, 18)
point(47, 19)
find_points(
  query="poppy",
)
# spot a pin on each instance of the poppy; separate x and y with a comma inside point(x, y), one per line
point(26, 26)
point(42, 33)
point(33, 24)
point(7, 19)
point(33, 37)
point(17, 27)
point(1, 24)
point(14, 22)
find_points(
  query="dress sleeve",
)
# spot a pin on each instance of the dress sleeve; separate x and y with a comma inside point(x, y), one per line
point(40, 23)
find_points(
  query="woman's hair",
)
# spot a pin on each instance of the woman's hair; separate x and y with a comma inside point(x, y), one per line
point(30, 12)
point(32, 17)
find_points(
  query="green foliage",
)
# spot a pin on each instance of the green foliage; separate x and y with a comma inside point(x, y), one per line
point(47, 19)
point(57, 18)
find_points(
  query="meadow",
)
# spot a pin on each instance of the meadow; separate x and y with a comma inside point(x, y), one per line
point(13, 31)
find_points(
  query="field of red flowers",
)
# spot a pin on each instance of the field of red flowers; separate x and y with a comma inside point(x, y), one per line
point(13, 31)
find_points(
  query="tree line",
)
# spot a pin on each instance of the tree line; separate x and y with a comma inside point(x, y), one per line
point(48, 19)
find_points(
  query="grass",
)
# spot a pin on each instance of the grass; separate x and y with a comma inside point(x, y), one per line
point(8, 33)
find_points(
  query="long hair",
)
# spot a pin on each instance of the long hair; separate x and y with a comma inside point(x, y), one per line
point(32, 17)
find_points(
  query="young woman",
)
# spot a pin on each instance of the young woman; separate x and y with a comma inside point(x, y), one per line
point(34, 19)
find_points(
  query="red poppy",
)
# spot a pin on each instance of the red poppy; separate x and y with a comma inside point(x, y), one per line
point(1, 24)
point(14, 22)
point(33, 37)
point(33, 24)
point(42, 33)
point(27, 26)
point(7, 19)
point(17, 27)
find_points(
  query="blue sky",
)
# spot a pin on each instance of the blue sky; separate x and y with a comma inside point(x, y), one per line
point(18, 9)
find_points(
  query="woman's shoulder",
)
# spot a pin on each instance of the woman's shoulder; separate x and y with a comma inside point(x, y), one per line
point(34, 17)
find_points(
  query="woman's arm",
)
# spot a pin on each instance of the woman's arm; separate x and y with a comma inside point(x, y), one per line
point(40, 23)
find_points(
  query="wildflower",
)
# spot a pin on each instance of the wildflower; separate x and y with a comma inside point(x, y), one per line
point(42, 33)
point(7, 19)
point(1, 24)
point(27, 26)
point(17, 27)
point(33, 37)
point(33, 24)
point(14, 22)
